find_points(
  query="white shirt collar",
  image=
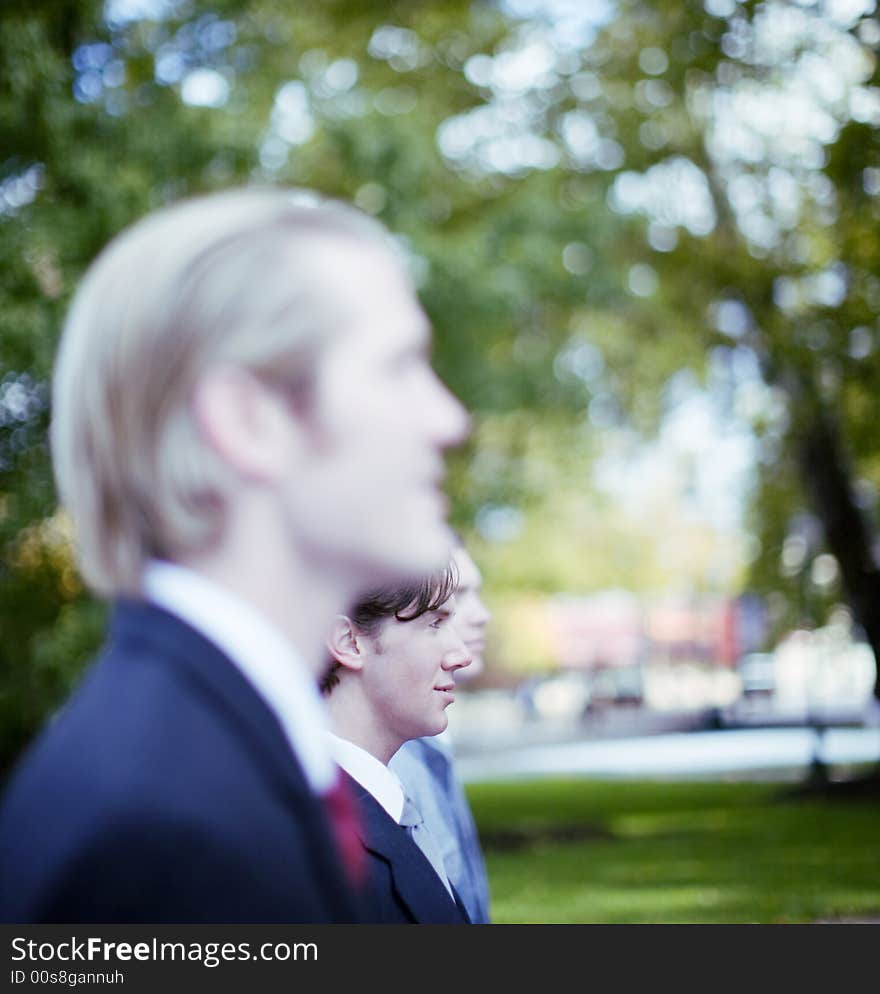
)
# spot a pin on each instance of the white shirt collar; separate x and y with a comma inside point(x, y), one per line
point(260, 651)
point(370, 773)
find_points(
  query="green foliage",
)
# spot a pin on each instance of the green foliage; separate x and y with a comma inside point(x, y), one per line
point(97, 134)
point(795, 211)
point(523, 268)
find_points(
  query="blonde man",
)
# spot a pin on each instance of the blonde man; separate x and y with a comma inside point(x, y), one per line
point(247, 434)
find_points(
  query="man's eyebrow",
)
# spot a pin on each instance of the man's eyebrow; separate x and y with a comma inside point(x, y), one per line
point(442, 612)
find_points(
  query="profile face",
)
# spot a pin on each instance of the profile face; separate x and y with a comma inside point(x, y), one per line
point(409, 673)
point(367, 494)
point(471, 616)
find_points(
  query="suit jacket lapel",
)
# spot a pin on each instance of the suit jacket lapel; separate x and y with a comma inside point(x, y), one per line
point(212, 674)
point(417, 885)
point(460, 905)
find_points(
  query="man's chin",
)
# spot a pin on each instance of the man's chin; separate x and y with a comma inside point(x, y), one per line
point(439, 726)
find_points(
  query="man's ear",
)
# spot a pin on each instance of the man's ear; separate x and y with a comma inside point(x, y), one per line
point(246, 422)
point(343, 644)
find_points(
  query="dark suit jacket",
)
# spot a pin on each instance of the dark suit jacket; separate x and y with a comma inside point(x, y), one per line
point(165, 791)
point(402, 886)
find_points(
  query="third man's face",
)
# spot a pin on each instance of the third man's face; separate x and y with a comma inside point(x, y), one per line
point(471, 616)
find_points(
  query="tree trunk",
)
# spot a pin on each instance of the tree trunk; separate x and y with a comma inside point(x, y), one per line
point(848, 532)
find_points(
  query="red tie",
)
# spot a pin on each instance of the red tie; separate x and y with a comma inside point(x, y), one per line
point(343, 814)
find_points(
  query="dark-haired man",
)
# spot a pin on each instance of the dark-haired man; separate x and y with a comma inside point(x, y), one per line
point(426, 766)
point(395, 656)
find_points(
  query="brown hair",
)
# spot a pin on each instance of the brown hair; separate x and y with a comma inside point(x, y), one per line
point(404, 601)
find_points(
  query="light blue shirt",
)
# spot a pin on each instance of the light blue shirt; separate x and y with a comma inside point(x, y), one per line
point(425, 769)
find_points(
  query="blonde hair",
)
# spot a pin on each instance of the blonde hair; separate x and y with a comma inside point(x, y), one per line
point(220, 278)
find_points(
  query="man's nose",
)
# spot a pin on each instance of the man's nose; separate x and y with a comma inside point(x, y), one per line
point(457, 658)
point(450, 422)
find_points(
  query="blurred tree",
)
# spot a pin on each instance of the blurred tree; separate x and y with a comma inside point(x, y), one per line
point(738, 146)
point(592, 203)
point(111, 109)
point(751, 138)
point(743, 137)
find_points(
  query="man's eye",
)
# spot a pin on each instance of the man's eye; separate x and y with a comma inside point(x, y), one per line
point(438, 623)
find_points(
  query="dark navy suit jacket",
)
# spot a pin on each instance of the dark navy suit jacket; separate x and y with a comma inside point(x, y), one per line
point(402, 886)
point(165, 791)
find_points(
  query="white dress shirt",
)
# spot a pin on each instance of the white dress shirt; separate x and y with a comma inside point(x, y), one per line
point(373, 775)
point(262, 653)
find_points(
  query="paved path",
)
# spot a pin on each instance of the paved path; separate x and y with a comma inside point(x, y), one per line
point(774, 752)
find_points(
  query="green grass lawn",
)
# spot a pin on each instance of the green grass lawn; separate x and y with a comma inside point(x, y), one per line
point(595, 851)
